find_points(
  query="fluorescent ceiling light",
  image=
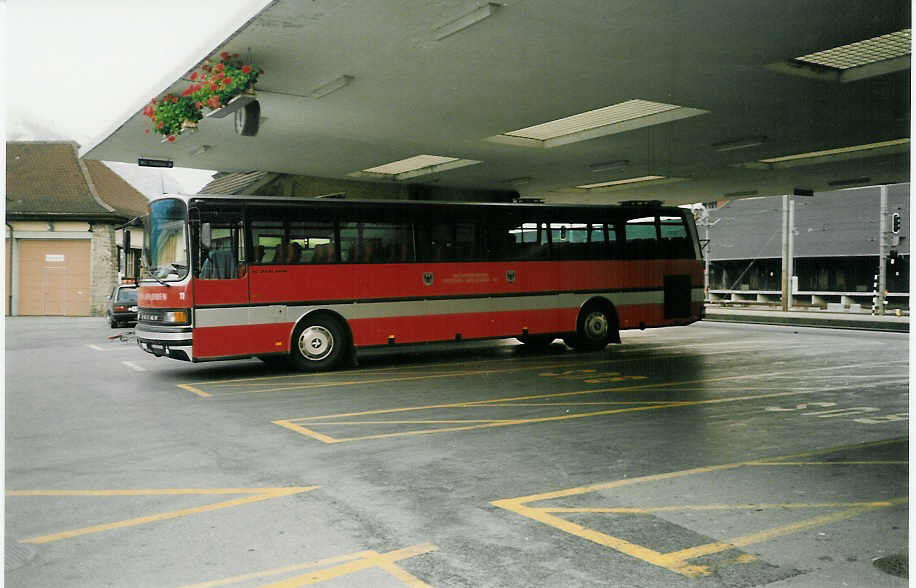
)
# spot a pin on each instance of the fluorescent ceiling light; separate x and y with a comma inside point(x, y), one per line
point(332, 86)
point(839, 154)
point(412, 167)
point(621, 182)
point(618, 118)
point(736, 144)
point(463, 22)
point(609, 166)
point(856, 61)
point(863, 52)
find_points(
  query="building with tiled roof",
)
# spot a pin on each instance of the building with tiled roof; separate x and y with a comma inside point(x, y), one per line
point(62, 230)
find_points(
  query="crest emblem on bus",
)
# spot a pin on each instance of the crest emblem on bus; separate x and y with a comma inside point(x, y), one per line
point(510, 276)
point(428, 278)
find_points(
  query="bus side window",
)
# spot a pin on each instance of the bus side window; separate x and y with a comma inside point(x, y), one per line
point(674, 241)
point(268, 241)
point(306, 239)
point(222, 260)
point(570, 241)
point(531, 241)
point(642, 238)
point(385, 243)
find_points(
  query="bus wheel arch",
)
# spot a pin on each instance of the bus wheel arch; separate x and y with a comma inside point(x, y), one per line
point(596, 326)
point(321, 340)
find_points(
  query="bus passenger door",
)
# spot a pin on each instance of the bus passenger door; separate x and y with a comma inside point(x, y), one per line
point(220, 287)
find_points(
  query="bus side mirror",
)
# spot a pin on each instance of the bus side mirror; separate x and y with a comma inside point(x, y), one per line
point(206, 240)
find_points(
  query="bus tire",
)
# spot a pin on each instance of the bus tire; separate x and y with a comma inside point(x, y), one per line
point(319, 343)
point(596, 327)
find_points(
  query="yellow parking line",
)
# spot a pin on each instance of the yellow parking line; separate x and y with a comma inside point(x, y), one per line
point(462, 373)
point(294, 424)
point(399, 369)
point(345, 565)
point(283, 570)
point(194, 390)
point(714, 507)
point(679, 558)
point(679, 561)
point(386, 380)
point(259, 495)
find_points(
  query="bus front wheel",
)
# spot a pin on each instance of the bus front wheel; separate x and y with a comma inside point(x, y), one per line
point(318, 343)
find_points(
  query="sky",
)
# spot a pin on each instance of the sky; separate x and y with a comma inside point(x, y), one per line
point(75, 68)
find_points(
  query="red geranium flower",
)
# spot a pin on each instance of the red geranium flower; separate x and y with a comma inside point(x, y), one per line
point(193, 75)
point(246, 69)
point(171, 138)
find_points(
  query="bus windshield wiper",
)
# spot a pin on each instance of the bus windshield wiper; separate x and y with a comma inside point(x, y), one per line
point(155, 277)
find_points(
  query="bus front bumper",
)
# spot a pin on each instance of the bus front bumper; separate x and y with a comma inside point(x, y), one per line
point(161, 341)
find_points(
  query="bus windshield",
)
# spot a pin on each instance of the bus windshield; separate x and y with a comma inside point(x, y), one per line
point(167, 243)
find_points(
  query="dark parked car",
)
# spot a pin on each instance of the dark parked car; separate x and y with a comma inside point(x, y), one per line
point(122, 306)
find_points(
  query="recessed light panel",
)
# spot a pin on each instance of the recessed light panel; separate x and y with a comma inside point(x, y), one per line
point(409, 164)
point(419, 165)
point(864, 52)
point(618, 118)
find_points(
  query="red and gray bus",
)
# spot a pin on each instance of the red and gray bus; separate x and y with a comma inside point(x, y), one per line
point(310, 281)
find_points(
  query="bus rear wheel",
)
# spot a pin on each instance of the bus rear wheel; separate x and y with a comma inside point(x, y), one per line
point(319, 343)
point(594, 330)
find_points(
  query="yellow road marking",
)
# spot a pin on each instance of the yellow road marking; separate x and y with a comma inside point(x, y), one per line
point(194, 390)
point(709, 507)
point(297, 424)
point(483, 370)
point(680, 558)
point(360, 382)
point(342, 565)
point(257, 495)
point(485, 364)
point(679, 561)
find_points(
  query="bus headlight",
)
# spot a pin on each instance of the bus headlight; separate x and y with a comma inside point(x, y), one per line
point(165, 317)
point(175, 317)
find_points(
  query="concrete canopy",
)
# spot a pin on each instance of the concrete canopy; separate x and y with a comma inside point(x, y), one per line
point(414, 89)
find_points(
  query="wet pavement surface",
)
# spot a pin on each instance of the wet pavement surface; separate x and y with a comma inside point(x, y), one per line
point(711, 455)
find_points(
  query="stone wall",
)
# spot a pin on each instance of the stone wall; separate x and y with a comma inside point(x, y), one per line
point(104, 262)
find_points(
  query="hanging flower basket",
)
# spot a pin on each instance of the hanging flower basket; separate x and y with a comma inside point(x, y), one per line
point(212, 88)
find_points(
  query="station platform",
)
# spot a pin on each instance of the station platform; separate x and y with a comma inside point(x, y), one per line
point(809, 318)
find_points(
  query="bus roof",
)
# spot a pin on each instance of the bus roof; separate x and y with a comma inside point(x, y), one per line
point(330, 201)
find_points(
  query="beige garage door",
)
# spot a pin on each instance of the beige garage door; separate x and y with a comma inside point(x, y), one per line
point(54, 277)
